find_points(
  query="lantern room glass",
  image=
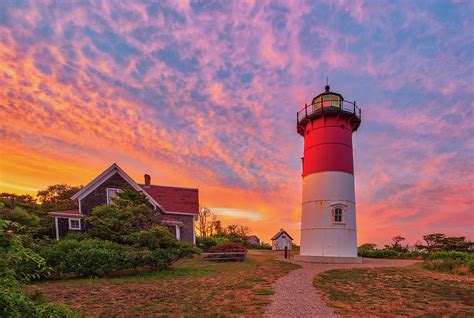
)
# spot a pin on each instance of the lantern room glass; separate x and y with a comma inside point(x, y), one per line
point(327, 100)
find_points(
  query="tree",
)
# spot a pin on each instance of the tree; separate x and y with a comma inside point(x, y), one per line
point(434, 241)
point(218, 227)
point(456, 243)
point(58, 197)
point(11, 200)
point(243, 231)
point(396, 244)
point(207, 222)
point(131, 212)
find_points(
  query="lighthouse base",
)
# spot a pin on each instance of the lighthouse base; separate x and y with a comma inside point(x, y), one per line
point(328, 259)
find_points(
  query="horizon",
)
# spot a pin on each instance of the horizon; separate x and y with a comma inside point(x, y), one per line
point(205, 94)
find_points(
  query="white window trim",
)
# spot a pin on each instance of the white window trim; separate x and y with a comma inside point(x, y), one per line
point(74, 229)
point(56, 224)
point(178, 233)
point(341, 206)
point(109, 201)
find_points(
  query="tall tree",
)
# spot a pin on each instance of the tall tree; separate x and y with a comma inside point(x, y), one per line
point(434, 241)
point(206, 221)
point(58, 197)
point(396, 244)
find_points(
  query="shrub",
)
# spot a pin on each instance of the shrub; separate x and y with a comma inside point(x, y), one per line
point(95, 257)
point(13, 302)
point(387, 253)
point(375, 253)
point(450, 262)
point(227, 247)
point(77, 236)
point(154, 238)
point(89, 257)
point(54, 310)
point(451, 255)
point(110, 223)
point(23, 217)
point(205, 243)
point(23, 263)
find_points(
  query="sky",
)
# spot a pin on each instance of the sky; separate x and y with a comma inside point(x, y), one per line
point(204, 94)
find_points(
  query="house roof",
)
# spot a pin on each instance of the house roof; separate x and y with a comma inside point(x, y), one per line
point(110, 171)
point(66, 213)
point(174, 199)
point(282, 231)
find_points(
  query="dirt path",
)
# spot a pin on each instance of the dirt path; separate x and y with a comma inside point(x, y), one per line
point(295, 295)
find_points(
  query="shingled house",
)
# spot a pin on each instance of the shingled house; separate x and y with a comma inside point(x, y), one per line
point(177, 207)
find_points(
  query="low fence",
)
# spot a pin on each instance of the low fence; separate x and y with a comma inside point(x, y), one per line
point(227, 256)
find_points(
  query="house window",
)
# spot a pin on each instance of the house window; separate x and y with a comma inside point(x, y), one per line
point(112, 193)
point(74, 224)
point(283, 236)
point(337, 215)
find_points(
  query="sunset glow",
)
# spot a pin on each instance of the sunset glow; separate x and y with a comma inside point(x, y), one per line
point(204, 94)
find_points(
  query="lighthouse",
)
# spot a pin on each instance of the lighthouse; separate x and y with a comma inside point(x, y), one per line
point(328, 209)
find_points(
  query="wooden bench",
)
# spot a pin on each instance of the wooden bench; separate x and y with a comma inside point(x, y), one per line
point(225, 256)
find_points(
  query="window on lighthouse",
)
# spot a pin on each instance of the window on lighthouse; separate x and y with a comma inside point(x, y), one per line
point(337, 215)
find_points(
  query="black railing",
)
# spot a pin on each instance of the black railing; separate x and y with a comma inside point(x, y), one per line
point(328, 106)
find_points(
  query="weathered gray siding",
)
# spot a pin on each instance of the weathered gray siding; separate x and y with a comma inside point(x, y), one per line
point(187, 229)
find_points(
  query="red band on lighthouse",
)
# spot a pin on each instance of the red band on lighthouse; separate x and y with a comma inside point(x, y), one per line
point(328, 146)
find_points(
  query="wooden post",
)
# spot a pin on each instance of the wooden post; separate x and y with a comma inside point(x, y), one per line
point(286, 251)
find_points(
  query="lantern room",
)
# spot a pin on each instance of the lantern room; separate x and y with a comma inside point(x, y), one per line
point(328, 104)
point(327, 99)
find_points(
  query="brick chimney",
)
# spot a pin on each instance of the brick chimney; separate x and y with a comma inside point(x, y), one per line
point(147, 179)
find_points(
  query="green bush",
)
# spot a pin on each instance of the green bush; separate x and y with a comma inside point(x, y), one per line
point(13, 302)
point(466, 256)
point(23, 263)
point(444, 264)
point(470, 265)
point(450, 262)
point(205, 243)
point(89, 257)
point(23, 217)
point(95, 257)
point(387, 253)
point(154, 238)
point(54, 310)
point(110, 223)
point(160, 237)
point(77, 236)
point(375, 253)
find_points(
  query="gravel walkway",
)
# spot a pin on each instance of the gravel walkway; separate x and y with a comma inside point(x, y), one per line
point(295, 295)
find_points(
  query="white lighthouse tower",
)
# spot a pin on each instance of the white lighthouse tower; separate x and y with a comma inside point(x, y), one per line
point(328, 216)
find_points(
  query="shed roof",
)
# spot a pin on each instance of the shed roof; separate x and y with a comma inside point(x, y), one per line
point(282, 231)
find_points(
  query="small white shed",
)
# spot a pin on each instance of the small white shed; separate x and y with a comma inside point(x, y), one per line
point(281, 240)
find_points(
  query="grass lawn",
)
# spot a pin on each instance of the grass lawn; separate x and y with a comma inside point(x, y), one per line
point(394, 292)
point(192, 287)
